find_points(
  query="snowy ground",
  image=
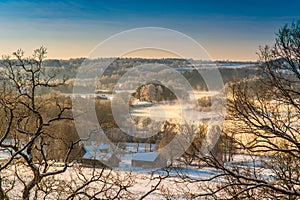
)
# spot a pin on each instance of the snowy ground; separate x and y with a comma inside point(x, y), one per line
point(142, 180)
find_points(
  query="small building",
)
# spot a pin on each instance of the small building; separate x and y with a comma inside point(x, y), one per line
point(7, 152)
point(103, 148)
point(147, 160)
point(102, 96)
point(100, 157)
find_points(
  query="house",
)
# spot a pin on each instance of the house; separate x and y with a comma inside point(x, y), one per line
point(7, 152)
point(103, 148)
point(13, 142)
point(102, 96)
point(99, 156)
point(147, 160)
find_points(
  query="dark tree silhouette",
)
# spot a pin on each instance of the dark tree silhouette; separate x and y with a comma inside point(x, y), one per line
point(263, 117)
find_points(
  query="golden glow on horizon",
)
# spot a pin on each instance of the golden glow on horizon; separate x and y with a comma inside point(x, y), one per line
point(216, 53)
point(64, 50)
point(244, 52)
point(150, 53)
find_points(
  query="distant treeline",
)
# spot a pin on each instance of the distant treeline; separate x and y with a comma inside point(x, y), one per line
point(131, 62)
point(119, 66)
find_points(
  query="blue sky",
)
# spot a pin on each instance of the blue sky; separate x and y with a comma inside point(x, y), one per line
point(226, 29)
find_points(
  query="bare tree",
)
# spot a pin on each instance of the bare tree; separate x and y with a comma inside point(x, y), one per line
point(263, 118)
point(35, 148)
point(38, 141)
point(25, 127)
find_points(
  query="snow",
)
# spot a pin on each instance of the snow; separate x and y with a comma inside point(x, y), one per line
point(138, 147)
point(96, 148)
point(143, 180)
point(98, 156)
point(147, 156)
point(4, 154)
point(97, 152)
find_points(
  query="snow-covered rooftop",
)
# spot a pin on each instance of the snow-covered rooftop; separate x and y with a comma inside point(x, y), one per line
point(96, 152)
point(145, 156)
point(98, 156)
point(96, 147)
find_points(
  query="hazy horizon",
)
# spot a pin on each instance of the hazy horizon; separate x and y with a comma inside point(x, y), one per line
point(158, 58)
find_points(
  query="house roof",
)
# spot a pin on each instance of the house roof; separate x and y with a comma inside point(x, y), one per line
point(145, 156)
point(8, 150)
point(102, 146)
point(98, 156)
point(11, 142)
point(96, 147)
point(94, 152)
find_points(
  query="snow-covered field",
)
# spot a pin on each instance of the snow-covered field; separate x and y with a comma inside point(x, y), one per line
point(140, 180)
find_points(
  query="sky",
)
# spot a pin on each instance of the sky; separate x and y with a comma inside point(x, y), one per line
point(227, 30)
